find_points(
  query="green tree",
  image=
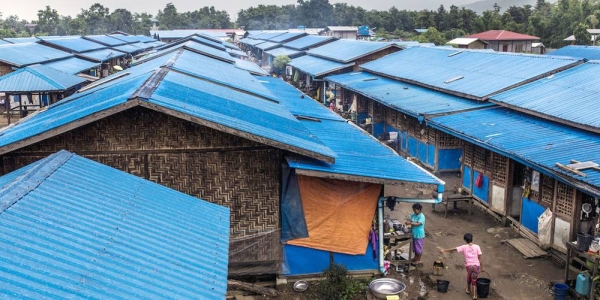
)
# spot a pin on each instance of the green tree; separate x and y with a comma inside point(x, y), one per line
point(120, 20)
point(432, 36)
point(95, 18)
point(280, 62)
point(315, 13)
point(169, 18)
point(48, 20)
point(582, 36)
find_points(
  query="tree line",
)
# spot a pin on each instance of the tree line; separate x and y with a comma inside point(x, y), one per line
point(552, 22)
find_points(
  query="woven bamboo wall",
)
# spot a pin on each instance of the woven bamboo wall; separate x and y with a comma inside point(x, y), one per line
point(199, 161)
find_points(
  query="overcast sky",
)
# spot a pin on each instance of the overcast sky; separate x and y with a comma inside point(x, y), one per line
point(27, 9)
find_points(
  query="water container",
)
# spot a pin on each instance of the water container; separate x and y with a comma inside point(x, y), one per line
point(560, 291)
point(584, 241)
point(583, 283)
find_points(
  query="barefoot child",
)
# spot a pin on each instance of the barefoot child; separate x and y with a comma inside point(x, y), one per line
point(417, 225)
point(472, 254)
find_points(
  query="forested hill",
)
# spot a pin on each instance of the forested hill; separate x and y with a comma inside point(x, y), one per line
point(483, 5)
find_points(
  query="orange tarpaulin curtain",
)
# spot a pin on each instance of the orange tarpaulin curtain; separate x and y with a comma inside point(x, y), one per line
point(338, 214)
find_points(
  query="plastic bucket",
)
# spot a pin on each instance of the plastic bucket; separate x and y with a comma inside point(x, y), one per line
point(442, 285)
point(483, 286)
point(584, 241)
point(560, 291)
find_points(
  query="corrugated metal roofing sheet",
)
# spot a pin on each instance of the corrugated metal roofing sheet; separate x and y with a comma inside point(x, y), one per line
point(102, 55)
point(2, 42)
point(309, 41)
point(346, 51)
point(208, 42)
point(72, 65)
point(267, 46)
point(219, 72)
point(358, 153)
point(127, 38)
point(502, 35)
point(143, 46)
point(20, 55)
point(128, 49)
point(526, 138)
point(156, 44)
point(587, 52)
point(475, 74)
point(38, 78)
point(285, 51)
point(250, 67)
point(74, 44)
point(205, 95)
point(230, 45)
point(286, 37)
point(234, 52)
point(251, 42)
point(22, 40)
point(105, 40)
point(145, 39)
point(405, 97)
point(570, 96)
point(236, 110)
point(205, 50)
point(78, 229)
point(269, 35)
point(316, 66)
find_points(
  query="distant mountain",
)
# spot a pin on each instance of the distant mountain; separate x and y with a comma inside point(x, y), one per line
point(483, 5)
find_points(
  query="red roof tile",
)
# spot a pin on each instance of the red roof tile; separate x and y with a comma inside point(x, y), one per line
point(502, 35)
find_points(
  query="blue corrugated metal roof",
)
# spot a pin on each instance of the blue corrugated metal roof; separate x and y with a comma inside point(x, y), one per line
point(196, 96)
point(105, 40)
point(269, 35)
point(571, 96)
point(233, 52)
point(309, 41)
point(230, 45)
point(74, 44)
point(38, 78)
point(156, 44)
point(297, 102)
point(358, 153)
point(143, 46)
point(316, 66)
point(74, 228)
point(284, 51)
point(2, 42)
point(282, 38)
point(408, 98)
point(250, 67)
point(251, 42)
point(267, 46)
point(475, 74)
point(72, 65)
point(587, 52)
point(127, 38)
point(208, 42)
point(526, 138)
point(22, 40)
point(20, 55)
point(346, 51)
point(207, 50)
point(102, 55)
point(145, 39)
point(128, 49)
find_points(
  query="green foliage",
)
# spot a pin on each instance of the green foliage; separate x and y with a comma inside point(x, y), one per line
point(280, 62)
point(432, 36)
point(338, 285)
point(582, 37)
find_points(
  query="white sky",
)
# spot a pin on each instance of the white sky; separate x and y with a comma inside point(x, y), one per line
point(27, 9)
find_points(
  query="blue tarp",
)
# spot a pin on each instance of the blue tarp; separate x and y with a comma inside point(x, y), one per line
point(293, 224)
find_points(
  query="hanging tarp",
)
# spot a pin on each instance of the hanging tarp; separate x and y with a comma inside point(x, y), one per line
point(338, 214)
point(293, 225)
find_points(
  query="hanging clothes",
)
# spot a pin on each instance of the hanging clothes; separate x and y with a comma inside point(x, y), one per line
point(390, 203)
point(479, 180)
point(374, 238)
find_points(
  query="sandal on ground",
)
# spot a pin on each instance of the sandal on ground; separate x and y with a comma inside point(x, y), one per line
point(468, 291)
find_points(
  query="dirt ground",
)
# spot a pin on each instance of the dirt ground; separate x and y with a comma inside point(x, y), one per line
point(512, 276)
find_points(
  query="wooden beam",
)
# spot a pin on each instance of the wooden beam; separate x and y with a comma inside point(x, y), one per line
point(236, 284)
point(563, 167)
point(576, 162)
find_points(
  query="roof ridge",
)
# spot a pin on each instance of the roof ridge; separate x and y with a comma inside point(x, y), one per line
point(29, 181)
point(44, 77)
point(147, 89)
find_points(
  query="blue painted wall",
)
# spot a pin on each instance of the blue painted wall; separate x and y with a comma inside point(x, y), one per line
point(412, 146)
point(422, 151)
point(378, 129)
point(431, 155)
point(360, 118)
point(530, 213)
point(481, 192)
point(304, 261)
point(404, 140)
point(448, 159)
point(358, 262)
point(467, 177)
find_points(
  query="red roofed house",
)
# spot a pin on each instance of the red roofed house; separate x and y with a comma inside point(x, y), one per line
point(507, 41)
